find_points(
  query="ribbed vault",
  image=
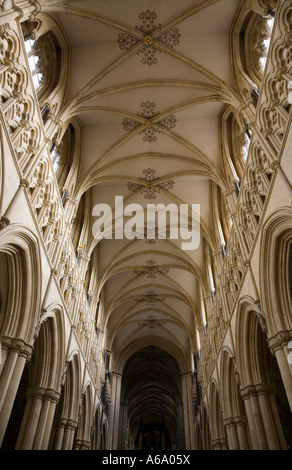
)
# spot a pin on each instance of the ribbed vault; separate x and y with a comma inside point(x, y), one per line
point(151, 390)
point(148, 85)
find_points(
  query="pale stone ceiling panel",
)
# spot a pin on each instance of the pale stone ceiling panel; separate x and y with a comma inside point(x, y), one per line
point(148, 83)
point(128, 11)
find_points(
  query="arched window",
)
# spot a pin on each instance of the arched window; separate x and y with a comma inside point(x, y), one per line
point(261, 37)
point(236, 141)
point(62, 156)
point(211, 280)
point(34, 63)
point(44, 59)
point(250, 41)
point(198, 341)
point(77, 224)
point(255, 37)
point(244, 144)
point(221, 218)
point(225, 217)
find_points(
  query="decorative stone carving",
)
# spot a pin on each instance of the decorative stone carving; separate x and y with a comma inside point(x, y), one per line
point(150, 191)
point(149, 49)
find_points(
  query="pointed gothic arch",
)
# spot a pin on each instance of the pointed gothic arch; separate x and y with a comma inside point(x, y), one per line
point(232, 403)
point(82, 434)
point(219, 437)
point(67, 411)
point(21, 261)
point(259, 383)
point(276, 276)
point(43, 385)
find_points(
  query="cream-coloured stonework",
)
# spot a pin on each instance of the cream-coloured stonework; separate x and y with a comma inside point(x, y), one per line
point(136, 343)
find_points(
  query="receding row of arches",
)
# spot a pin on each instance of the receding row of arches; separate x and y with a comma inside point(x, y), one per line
point(45, 404)
point(247, 406)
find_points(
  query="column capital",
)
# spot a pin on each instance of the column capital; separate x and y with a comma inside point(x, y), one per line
point(44, 394)
point(248, 392)
point(229, 422)
point(17, 345)
point(279, 340)
point(265, 389)
point(70, 423)
point(234, 421)
point(257, 390)
point(219, 443)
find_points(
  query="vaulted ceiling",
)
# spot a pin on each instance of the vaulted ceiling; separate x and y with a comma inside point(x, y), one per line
point(148, 82)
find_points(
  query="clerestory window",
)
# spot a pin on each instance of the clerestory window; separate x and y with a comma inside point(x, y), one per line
point(44, 59)
point(261, 42)
point(256, 37)
point(35, 63)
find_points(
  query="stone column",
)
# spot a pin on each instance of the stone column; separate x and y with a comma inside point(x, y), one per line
point(38, 419)
point(70, 433)
point(259, 440)
point(17, 354)
point(122, 426)
point(115, 411)
point(245, 393)
point(219, 444)
point(240, 422)
point(59, 434)
point(64, 434)
point(81, 444)
point(188, 410)
point(236, 434)
point(271, 420)
point(231, 431)
point(263, 419)
point(68, 436)
point(181, 434)
point(43, 433)
point(278, 346)
point(30, 419)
